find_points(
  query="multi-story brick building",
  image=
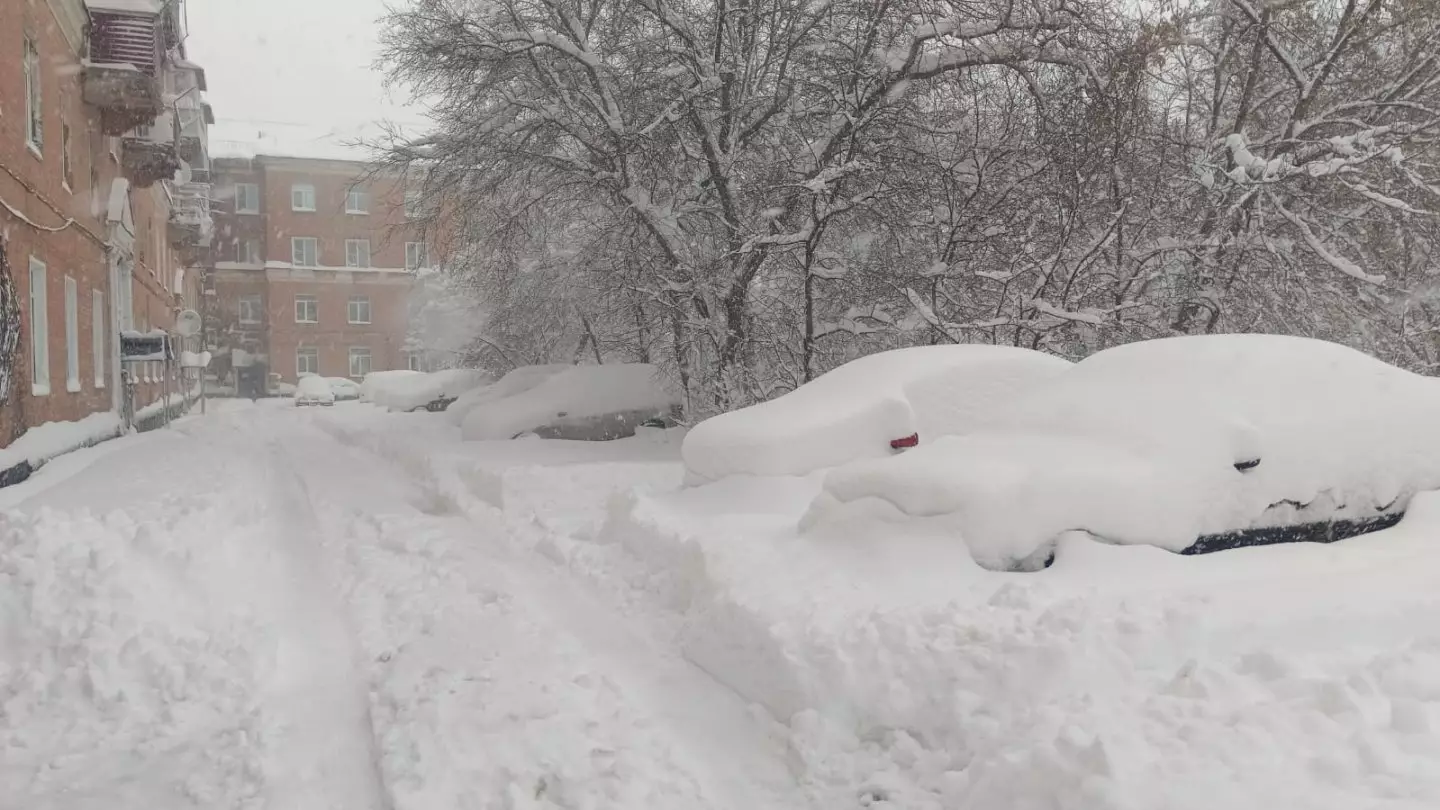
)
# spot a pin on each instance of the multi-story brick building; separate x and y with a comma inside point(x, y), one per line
point(104, 200)
point(314, 264)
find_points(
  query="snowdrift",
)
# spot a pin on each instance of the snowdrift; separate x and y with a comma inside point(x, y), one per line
point(856, 410)
point(1163, 441)
point(582, 402)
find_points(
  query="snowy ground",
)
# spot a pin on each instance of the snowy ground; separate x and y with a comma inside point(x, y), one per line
point(276, 607)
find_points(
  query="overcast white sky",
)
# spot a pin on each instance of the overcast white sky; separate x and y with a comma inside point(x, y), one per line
point(291, 76)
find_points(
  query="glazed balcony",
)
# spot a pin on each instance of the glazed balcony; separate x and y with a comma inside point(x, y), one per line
point(122, 72)
point(191, 225)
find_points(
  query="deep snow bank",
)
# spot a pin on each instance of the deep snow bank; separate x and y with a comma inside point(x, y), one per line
point(856, 410)
point(570, 401)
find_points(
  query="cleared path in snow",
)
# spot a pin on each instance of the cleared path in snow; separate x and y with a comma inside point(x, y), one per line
point(498, 680)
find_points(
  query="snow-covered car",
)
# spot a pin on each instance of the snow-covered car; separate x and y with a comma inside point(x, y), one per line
point(313, 389)
point(345, 389)
point(378, 383)
point(515, 382)
point(1192, 444)
point(584, 403)
point(433, 391)
point(868, 408)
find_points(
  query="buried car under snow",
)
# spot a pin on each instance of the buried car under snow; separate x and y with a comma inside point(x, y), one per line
point(869, 407)
point(1192, 444)
point(582, 403)
point(312, 389)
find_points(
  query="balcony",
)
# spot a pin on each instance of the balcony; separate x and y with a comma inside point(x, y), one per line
point(190, 223)
point(148, 154)
point(122, 71)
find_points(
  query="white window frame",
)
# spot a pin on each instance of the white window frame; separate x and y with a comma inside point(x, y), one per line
point(39, 330)
point(416, 256)
point(67, 168)
point(355, 307)
point(34, 99)
point(242, 254)
point(72, 335)
point(306, 193)
point(353, 250)
point(247, 193)
point(303, 353)
point(296, 242)
point(97, 335)
point(357, 201)
point(356, 353)
point(412, 204)
point(259, 307)
point(311, 306)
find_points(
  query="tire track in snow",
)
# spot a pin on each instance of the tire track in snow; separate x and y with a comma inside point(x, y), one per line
point(325, 751)
point(659, 731)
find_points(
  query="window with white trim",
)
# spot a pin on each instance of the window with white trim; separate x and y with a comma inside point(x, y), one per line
point(415, 255)
point(357, 252)
point(97, 335)
point(412, 204)
point(251, 311)
point(72, 335)
point(247, 198)
point(307, 309)
point(247, 251)
point(67, 169)
point(358, 309)
point(359, 361)
point(302, 197)
point(412, 362)
point(357, 202)
point(307, 360)
point(34, 122)
point(304, 251)
point(39, 331)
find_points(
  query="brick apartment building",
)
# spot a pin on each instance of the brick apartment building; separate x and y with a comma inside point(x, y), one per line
point(104, 200)
point(314, 262)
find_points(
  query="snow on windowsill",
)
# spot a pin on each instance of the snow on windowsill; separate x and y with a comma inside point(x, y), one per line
point(73, 386)
point(39, 390)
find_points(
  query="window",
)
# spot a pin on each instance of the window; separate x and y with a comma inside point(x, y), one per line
point(66, 169)
point(247, 251)
point(34, 126)
point(72, 335)
point(412, 204)
point(39, 331)
point(250, 309)
point(305, 251)
point(412, 361)
point(307, 309)
point(307, 360)
point(302, 197)
point(247, 198)
point(357, 252)
point(126, 300)
point(357, 202)
point(97, 335)
point(415, 255)
point(359, 361)
point(359, 309)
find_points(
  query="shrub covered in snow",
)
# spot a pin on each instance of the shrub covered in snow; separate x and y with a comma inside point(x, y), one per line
point(1165, 441)
point(581, 402)
point(858, 409)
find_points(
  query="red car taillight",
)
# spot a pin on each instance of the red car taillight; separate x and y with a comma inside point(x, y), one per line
point(906, 443)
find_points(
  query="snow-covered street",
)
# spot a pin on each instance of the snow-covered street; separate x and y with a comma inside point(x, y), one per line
point(342, 607)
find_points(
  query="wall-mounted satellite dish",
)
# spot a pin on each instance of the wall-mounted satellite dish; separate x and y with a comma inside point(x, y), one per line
point(188, 323)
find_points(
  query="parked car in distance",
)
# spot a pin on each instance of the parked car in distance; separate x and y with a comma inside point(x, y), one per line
point(345, 389)
point(313, 389)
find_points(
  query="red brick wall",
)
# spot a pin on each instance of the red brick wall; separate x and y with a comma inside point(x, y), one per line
point(333, 335)
point(384, 225)
point(34, 184)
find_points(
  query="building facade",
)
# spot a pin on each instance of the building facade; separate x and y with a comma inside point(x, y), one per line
point(314, 262)
point(104, 201)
